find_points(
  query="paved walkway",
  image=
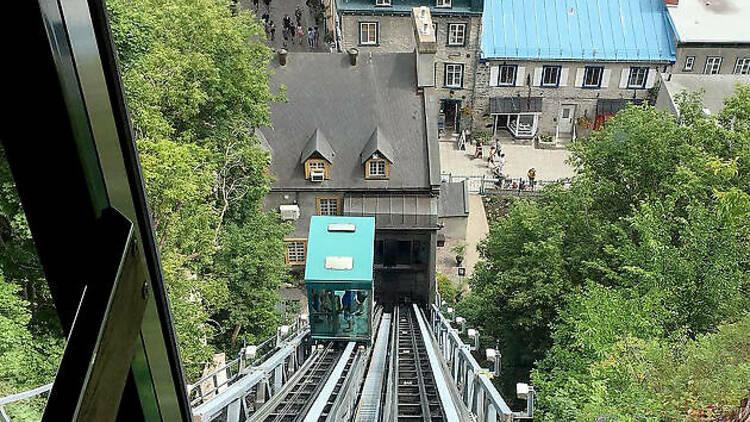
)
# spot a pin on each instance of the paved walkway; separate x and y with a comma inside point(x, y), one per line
point(477, 229)
point(278, 8)
point(550, 164)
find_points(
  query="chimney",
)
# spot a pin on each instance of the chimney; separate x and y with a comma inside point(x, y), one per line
point(426, 46)
point(353, 53)
point(282, 56)
point(671, 2)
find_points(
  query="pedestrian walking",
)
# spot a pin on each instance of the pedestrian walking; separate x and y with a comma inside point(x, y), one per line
point(316, 36)
point(532, 177)
point(298, 14)
point(272, 29)
point(310, 37)
point(266, 17)
point(255, 5)
point(285, 34)
point(286, 22)
point(268, 5)
point(300, 34)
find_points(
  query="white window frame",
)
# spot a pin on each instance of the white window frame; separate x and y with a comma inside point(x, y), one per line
point(742, 66)
point(442, 3)
point(454, 67)
point(382, 2)
point(370, 26)
point(514, 75)
point(377, 168)
point(689, 63)
point(631, 75)
point(329, 206)
point(456, 34)
point(587, 69)
point(715, 67)
point(558, 69)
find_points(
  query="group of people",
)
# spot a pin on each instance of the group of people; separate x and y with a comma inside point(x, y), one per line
point(347, 304)
point(289, 29)
point(495, 159)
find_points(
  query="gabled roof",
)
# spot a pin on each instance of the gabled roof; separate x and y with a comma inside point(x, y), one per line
point(606, 30)
point(318, 143)
point(458, 7)
point(378, 143)
point(346, 103)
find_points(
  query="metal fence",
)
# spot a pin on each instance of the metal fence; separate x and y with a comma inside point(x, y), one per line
point(483, 184)
point(474, 386)
point(26, 395)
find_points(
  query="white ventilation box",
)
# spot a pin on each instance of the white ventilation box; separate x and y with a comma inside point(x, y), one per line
point(289, 212)
point(317, 176)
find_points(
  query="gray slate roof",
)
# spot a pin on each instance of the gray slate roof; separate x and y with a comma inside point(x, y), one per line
point(454, 200)
point(317, 144)
point(378, 143)
point(347, 103)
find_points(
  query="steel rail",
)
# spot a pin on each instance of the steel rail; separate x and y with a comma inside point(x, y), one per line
point(313, 414)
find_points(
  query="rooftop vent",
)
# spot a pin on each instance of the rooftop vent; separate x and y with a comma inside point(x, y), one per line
point(339, 262)
point(342, 227)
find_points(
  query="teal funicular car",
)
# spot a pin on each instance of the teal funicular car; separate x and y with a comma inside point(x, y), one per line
point(338, 277)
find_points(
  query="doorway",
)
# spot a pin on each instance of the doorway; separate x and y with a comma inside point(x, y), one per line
point(450, 113)
point(565, 119)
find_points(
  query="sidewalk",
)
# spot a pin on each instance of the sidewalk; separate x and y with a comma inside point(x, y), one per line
point(277, 10)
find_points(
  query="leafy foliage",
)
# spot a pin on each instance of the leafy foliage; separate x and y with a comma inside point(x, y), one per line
point(614, 289)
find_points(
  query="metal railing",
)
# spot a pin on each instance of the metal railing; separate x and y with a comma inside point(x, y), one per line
point(257, 379)
point(226, 375)
point(485, 184)
point(26, 395)
point(472, 381)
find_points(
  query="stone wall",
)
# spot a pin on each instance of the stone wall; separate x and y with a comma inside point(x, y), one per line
point(729, 53)
point(585, 99)
point(396, 36)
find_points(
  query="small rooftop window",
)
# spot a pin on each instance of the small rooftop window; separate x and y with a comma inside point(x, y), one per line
point(339, 262)
point(342, 227)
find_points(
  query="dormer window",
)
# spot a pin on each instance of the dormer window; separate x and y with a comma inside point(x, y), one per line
point(316, 166)
point(377, 156)
point(317, 157)
point(377, 168)
point(442, 3)
point(382, 2)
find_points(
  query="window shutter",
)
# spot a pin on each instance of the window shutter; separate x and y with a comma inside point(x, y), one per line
point(564, 76)
point(521, 76)
point(494, 74)
point(624, 75)
point(445, 75)
point(579, 76)
point(651, 78)
point(538, 76)
point(606, 76)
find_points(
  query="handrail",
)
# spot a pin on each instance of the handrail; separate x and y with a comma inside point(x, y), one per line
point(476, 390)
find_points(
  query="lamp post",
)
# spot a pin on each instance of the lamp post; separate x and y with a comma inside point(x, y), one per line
point(474, 334)
point(526, 391)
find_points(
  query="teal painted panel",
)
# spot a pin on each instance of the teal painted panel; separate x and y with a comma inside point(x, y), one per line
point(358, 245)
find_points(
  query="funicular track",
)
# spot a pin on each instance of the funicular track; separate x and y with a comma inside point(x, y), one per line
point(417, 396)
point(296, 401)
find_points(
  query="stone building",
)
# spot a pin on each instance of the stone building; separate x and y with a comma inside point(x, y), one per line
point(712, 36)
point(386, 26)
point(551, 71)
point(354, 138)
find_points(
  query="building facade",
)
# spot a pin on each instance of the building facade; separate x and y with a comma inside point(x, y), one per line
point(387, 26)
point(556, 71)
point(353, 139)
point(712, 38)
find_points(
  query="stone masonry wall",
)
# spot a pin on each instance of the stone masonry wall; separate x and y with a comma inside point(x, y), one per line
point(585, 99)
point(396, 36)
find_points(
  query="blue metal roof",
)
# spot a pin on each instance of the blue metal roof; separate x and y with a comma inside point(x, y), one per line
point(621, 30)
point(322, 243)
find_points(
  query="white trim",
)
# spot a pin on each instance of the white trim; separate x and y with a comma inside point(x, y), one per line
point(494, 75)
point(463, 34)
point(718, 67)
point(537, 76)
point(606, 76)
point(651, 78)
point(564, 75)
point(624, 77)
point(520, 76)
point(362, 41)
point(579, 76)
